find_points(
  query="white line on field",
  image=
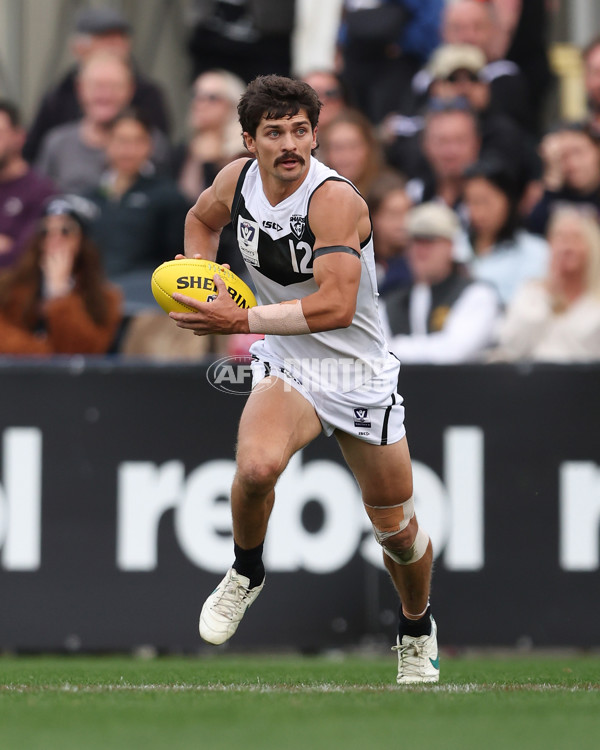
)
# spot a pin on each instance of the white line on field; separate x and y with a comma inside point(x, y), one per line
point(320, 688)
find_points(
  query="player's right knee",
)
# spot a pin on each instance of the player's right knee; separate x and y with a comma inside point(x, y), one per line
point(258, 474)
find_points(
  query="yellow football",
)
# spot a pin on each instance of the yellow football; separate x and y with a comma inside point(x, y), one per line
point(194, 278)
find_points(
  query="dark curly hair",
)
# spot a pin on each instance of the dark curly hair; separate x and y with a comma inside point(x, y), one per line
point(274, 97)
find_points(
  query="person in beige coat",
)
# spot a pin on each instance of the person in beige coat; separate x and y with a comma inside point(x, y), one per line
point(557, 319)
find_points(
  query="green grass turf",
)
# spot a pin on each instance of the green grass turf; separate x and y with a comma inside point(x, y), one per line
point(286, 703)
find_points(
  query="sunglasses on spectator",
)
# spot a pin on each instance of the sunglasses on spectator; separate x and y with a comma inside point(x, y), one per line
point(330, 94)
point(206, 96)
point(65, 231)
point(456, 104)
point(458, 76)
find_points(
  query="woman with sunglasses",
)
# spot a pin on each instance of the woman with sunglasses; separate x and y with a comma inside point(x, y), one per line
point(56, 301)
point(214, 136)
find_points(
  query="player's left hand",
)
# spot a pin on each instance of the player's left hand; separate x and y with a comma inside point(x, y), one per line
point(221, 315)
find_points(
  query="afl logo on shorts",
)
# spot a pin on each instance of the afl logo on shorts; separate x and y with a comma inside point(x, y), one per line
point(297, 224)
point(360, 418)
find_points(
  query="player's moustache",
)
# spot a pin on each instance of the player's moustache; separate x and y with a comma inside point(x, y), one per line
point(289, 156)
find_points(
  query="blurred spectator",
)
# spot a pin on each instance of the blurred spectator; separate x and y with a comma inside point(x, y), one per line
point(473, 22)
point(247, 37)
point(383, 44)
point(56, 300)
point(315, 37)
point(451, 142)
point(100, 29)
point(571, 157)
point(151, 335)
point(215, 137)
point(503, 253)
point(23, 193)
point(73, 155)
point(526, 24)
point(389, 205)
point(591, 63)
point(456, 71)
point(332, 93)
point(557, 319)
point(140, 216)
point(444, 317)
point(349, 145)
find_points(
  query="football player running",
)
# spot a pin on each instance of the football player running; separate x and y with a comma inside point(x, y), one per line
point(305, 235)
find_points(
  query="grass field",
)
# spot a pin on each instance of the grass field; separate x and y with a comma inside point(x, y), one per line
point(226, 702)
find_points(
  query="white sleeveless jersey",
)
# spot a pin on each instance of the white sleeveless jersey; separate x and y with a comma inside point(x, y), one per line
point(277, 243)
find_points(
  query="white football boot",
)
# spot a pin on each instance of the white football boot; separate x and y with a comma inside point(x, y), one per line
point(418, 658)
point(223, 610)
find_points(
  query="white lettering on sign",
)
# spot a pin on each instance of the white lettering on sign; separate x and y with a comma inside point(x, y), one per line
point(452, 513)
point(579, 504)
point(21, 499)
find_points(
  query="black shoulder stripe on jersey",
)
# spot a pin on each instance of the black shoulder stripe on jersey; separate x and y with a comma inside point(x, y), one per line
point(235, 206)
point(335, 249)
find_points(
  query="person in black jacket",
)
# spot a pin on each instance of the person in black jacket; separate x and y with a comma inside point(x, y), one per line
point(139, 216)
point(96, 30)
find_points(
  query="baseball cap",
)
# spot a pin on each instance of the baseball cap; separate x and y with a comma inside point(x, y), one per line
point(448, 58)
point(80, 209)
point(98, 21)
point(432, 220)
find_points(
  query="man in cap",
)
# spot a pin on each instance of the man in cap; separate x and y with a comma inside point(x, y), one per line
point(443, 317)
point(459, 70)
point(457, 73)
point(475, 23)
point(100, 29)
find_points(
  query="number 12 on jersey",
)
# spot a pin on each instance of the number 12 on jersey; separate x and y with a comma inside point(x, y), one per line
point(304, 266)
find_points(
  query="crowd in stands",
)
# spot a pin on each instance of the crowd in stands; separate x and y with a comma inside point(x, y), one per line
point(485, 209)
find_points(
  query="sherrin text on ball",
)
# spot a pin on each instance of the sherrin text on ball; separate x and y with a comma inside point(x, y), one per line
point(194, 278)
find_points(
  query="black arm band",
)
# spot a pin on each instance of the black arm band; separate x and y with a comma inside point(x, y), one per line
point(335, 249)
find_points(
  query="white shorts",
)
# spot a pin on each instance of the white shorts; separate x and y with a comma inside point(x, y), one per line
point(373, 412)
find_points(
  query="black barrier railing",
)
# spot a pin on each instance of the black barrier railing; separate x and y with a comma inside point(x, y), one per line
point(114, 521)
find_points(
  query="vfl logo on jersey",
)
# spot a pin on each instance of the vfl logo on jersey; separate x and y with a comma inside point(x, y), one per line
point(247, 237)
point(360, 418)
point(297, 224)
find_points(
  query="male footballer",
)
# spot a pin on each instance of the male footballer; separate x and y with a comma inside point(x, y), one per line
point(305, 235)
